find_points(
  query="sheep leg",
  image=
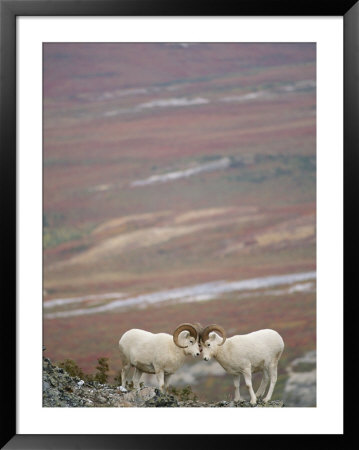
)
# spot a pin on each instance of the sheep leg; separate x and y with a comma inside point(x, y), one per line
point(263, 384)
point(136, 377)
point(236, 382)
point(124, 373)
point(273, 380)
point(161, 380)
point(248, 380)
point(166, 378)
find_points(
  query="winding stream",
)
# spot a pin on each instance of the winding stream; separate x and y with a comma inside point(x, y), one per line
point(199, 292)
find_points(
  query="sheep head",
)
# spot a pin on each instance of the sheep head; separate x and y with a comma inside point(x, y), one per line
point(189, 335)
point(210, 340)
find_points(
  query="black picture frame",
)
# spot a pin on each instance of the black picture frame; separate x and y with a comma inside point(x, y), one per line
point(9, 10)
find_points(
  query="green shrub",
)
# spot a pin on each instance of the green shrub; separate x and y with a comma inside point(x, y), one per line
point(184, 394)
point(102, 368)
point(71, 368)
point(101, 376)
point(129, 385)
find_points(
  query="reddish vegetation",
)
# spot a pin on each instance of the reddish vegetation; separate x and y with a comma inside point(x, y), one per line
point(100, 67)
point(90, 337)
point(266, 198)
point(292, 316)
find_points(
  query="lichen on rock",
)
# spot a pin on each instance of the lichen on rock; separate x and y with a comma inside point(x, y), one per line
point(62, 390)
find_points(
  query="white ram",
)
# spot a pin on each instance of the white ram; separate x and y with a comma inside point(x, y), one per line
point(160, 354)
point(245, 354)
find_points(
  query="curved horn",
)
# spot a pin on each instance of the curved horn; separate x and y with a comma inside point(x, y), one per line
point(209, 329)
point(184, 326)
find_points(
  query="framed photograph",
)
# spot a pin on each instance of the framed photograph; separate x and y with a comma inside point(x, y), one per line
point(175, 169)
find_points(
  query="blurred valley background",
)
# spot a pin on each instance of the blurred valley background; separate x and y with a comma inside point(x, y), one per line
point(180, 186)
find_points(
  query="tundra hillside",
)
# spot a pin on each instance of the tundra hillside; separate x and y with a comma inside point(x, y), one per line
point(179, 187)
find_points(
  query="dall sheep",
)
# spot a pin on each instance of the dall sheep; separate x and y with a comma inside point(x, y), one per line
point(245, 354)
point(160, 354)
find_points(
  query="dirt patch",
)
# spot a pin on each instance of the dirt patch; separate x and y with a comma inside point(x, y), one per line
point(114, 224)
point(289, 232)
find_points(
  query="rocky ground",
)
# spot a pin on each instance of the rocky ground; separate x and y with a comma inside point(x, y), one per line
point(62, 390)
point(301, 386)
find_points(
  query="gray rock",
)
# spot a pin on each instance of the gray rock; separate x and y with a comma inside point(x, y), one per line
point(301, 386)
point(62, 390)
point(162, 400)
